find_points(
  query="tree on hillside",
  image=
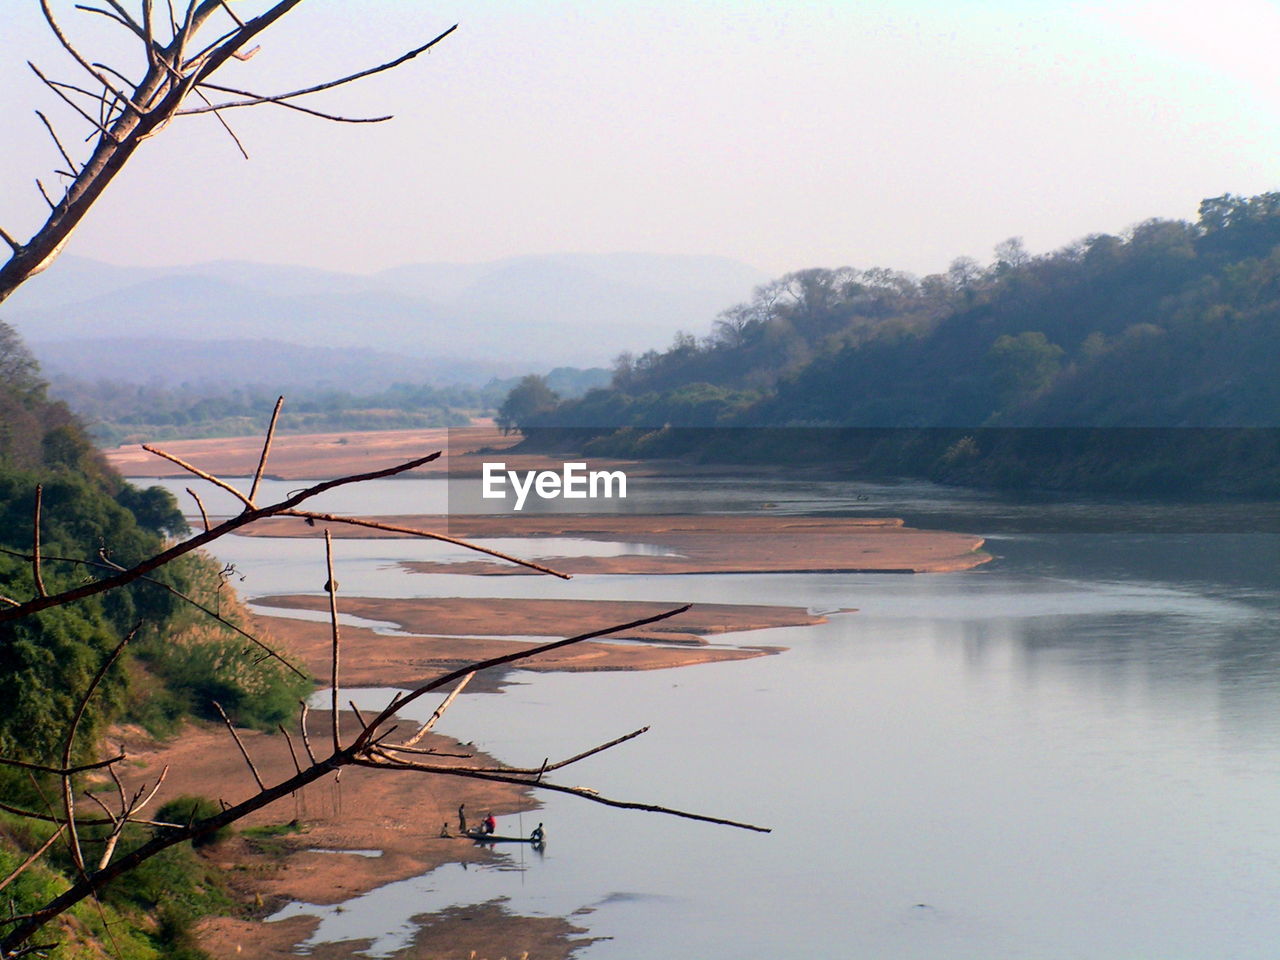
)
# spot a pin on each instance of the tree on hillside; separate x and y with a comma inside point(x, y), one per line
point(528, 398)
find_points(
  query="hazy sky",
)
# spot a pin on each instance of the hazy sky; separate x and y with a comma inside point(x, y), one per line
point(786, 134)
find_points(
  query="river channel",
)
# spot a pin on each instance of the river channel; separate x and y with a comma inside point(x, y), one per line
point(1071, 752)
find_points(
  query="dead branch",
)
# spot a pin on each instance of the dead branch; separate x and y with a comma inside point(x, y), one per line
point(68, 796)
point(424, 534)
point(365, 750)
point(33, 858)
point(436, 715)
point(132, 113)
point(105, 564)
point(61, 771)
point(204, 517)
point(240, 743)
point(296, 106)
point(35, 544)
point(327, 85)
point(199, 540)
point(331, 588)
point(266, 444)
point(216, 481)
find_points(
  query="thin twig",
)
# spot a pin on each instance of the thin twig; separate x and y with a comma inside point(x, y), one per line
point(331, 587)
point(60, 771)
point(5, 235)
point(109, 15)
point(204, 517)
point(302, 725)
point(424, 534)
point(328, 85)
point(524, 654)
point(584, 792)
point(439, 712)
point(35, 544)
point(323, 115)
point(44, 193)
point(33, 858)
point(199, 540)
point(58, 143)
point(271, 432)
point(293, 753)
point(243, 752)
point(200, 473)
point(225, 126)
point(74, 106)
point(68, 798)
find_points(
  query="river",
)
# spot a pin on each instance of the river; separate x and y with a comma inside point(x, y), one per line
point(1072, 752)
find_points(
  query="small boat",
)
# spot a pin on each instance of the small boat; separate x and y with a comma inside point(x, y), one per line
point(481, 837)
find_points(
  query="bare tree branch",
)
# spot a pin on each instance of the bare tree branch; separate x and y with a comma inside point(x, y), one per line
point(266, 446)
point(200, 539)
point(297, 106)
point(200, 473)
point(55, 87)
point(35, 544)
point(60, 771)
point(239, 743)
point(437, 714)
point(68, 796)
point(79, 58)
point(58, 143)
point(425, 534)
point(36, 855)
point(331, 588)
point(327, 85)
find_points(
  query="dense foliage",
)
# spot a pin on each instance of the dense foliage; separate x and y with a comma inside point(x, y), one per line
point(180, 660)
point(1172, 325)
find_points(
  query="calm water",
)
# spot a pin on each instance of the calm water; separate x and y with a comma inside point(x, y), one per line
point(1072, 752)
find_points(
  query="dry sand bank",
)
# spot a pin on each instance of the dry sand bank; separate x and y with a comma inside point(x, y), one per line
point(313, 456)
point(699, 544)
point(372, 659)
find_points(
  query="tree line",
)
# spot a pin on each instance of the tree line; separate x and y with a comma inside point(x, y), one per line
point(1171, 325)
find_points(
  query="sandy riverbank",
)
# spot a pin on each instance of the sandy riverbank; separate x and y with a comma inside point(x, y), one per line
point(398, 813)
point(311, 456)
point(470, 626)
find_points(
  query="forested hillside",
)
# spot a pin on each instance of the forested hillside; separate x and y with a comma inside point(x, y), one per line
point(178, 663)
point(1172, 325)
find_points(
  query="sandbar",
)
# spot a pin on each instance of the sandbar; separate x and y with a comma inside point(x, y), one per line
point(702, 543)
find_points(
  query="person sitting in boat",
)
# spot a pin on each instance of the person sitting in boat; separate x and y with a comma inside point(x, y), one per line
point(489, 824)
point(537, 836)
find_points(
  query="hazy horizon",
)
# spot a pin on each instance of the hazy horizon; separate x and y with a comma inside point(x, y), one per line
point(785, 136)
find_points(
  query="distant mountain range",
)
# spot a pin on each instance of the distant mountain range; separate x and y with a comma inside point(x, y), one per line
point(235, 322)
